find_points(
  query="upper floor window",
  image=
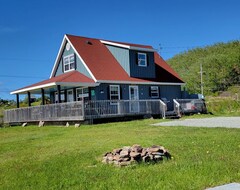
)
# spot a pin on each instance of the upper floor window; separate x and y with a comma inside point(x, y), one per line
point(142, 59)
point(114, 92)
point(69, 63)
point(154, 92)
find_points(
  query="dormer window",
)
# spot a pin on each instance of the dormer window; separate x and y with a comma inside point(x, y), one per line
point(142, 59)
point(69, 63)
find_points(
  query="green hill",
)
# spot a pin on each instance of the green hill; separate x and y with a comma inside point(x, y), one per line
point(220, 63)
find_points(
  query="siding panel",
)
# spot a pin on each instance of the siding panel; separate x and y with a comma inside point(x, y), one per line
point(122, 56)
point(79, 67)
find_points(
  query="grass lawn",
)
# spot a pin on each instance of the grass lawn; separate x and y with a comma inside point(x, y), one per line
point(70, 158)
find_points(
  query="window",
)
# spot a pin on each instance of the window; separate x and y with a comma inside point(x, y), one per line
point(69, 63)
point(154, 92)
point(114, 92)
point(62, 97)
point(142, 59)
point(82, 94)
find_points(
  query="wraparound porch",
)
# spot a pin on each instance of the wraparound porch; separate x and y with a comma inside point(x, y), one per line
point(85, 110)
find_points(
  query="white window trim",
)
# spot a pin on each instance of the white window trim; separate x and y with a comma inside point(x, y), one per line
point(69, 58)
point(134, 103)
point(145, 65)
point(157, 91)
point(71, 90)
point(83, 95)
point(62, 96)
point(110, 86)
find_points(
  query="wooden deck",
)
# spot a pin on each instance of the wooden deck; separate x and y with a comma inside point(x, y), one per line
point(80, 111)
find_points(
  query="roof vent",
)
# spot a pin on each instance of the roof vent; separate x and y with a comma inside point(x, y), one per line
point(88, 42)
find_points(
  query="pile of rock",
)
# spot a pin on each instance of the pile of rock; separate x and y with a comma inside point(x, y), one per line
point(135, 154)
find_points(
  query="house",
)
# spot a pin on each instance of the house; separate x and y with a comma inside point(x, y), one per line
point(93, 69)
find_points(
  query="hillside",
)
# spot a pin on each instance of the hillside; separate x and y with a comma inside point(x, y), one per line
point(220, 63)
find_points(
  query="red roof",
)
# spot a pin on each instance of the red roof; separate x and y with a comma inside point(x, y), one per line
point(104, 66)
point(164, 72)
point(69, 77)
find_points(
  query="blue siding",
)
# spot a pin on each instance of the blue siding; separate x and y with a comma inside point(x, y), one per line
point(165, 91)
point(122, 56)
point(80, 67)
point(169, 92)
point(102, 92)
point(142, 72)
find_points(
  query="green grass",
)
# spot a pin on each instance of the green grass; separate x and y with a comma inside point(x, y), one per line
point(223, 106)
point(70, 158)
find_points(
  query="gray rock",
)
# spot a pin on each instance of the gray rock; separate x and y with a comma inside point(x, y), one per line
point(134, 154)
point(136, 148)
point(146, 159)
point(124, 153)
point(117, 151)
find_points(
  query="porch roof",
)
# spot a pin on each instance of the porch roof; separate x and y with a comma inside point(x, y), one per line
point(72, 78)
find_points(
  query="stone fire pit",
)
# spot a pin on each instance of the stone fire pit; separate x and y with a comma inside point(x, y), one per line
point(135, 154)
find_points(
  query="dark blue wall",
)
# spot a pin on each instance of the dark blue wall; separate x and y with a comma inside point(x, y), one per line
point(169, 92)
point(142, 72)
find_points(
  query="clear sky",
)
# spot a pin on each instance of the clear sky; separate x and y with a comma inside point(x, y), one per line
point(31, 31)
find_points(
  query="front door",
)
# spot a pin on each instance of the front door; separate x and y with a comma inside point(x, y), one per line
point(133, 96)
point(70, 96)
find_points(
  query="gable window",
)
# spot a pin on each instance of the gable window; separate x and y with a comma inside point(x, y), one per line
point(142, 59)
point(69, 63)
point(114, 92)
point(154, 92)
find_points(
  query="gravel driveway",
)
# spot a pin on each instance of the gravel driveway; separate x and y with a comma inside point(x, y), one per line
point(228, 122)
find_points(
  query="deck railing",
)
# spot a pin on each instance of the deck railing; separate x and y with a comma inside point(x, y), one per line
point(76, 111)
point(176, 107)
point(52, 112)
point(110, 108)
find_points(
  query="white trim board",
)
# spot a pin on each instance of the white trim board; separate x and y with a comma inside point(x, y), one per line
point(84, 84)
point(134, 82)
point(128, 46)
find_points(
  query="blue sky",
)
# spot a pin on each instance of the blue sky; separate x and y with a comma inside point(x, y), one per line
point(31, 31)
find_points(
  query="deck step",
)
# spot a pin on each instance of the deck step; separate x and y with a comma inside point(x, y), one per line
point(172, 115)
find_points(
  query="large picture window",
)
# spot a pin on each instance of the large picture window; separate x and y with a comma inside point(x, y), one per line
point(114, 92)
point(142, 59)
point(154, 91)
point(69, 63)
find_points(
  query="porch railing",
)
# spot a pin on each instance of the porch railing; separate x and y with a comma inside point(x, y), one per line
point(176, 107)
point(75, 111)
point(52, 112)
point(109, 108)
